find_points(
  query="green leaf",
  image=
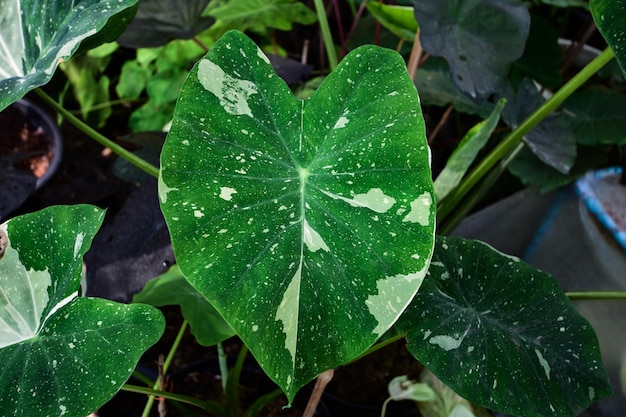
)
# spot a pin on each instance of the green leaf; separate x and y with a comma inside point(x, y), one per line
point(565, 3)
point(401, 388)
point(90, 86)
point(62, 354)
point(503, 334)
point(610, 17)
point(534, 172)
point(158, 22)
point(307, 224)
point(36, 35)
point(552, 140)
point(170, 288)
point(133, 79)
point(462, 31)
point(400, 20)
point(437, 88)
point(542, 56)
point(151, 116)
point(598, 117)
point(257, 15)
point(465, 153)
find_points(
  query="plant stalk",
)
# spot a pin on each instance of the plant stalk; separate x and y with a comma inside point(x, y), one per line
point(596, 295)
point(515, 137)
point(210, 406)
point(98, 137)
point(166, 364)
point(326, 35)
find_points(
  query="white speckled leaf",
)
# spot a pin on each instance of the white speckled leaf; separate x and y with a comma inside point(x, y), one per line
point(61, 354)
point(610, 17)
point(309, 225)
point(35, 36)
point(508, 329)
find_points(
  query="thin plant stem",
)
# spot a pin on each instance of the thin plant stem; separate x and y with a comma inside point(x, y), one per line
point(466, 205)
point(320, 385)
point(355, 21)
point(384, 410)
point(98, 137)
point(166, 364)
point(442, 121)
point(376, 347)
point(326, 35)
point(416, 55)
point(164, 394)
point(342, 38)
point(104, 105)
point(515, 137)
point(222, 361)
point(200, 44)
point(232, 388)
point(597, 295)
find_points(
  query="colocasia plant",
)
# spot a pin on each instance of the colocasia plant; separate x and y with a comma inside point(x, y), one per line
point(309, 228)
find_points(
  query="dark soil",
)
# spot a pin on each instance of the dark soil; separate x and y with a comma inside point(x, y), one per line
point(30, 143)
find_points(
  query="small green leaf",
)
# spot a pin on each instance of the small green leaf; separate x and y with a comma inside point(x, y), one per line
point(35, 36)
point(401, 388)
point(205, 323)
point(257, 15)
point(62, 354)
point(462, 31)
point(132, 80)
point(610, 17)
point(503, 334)
point(598, 117)
point(400, 20)
point(90, 86)
point(309, 224)
point(465, 153)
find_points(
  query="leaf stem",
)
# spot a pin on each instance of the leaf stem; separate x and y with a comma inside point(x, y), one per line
point(205, 405)
point(515, 137)
point(166, 364)
point(596, 295)
point(376, 347)
point(98, 137)
point(326, 35)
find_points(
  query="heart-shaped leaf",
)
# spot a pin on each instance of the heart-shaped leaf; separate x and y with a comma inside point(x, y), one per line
point(158, 22)
point(462, 31)
point(170, 288)
point(598, 116)
point(610, 17)
point(309, 224)
point(506, 327)
point(62, 355)
point(35, 36)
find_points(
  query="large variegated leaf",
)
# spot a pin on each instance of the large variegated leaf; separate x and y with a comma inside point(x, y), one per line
point(307, 224)
point(503, 334)
point(35, 36)
point(610, 17)
point(62, 355)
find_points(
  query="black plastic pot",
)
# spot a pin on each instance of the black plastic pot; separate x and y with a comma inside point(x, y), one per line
point(29, 138)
